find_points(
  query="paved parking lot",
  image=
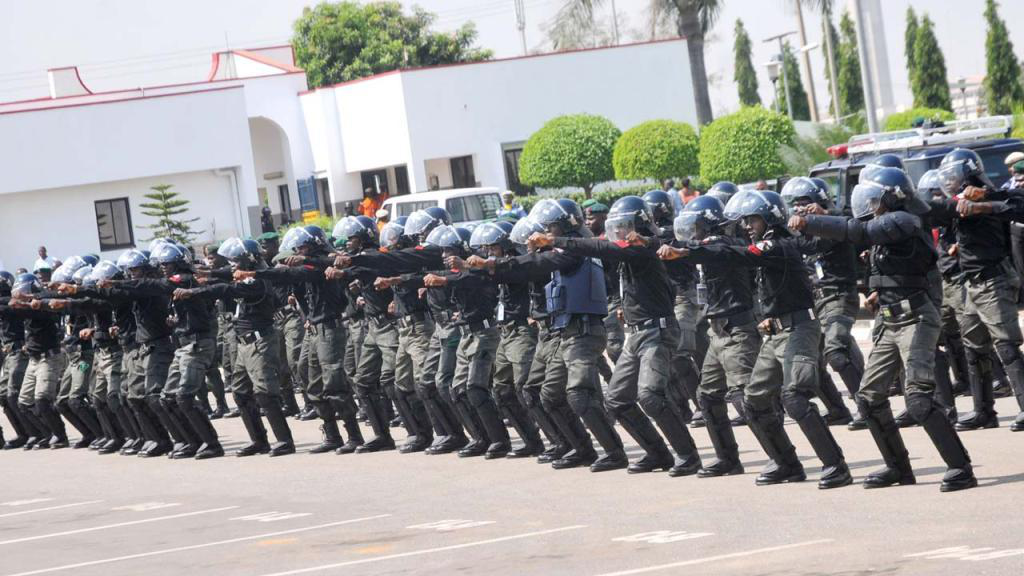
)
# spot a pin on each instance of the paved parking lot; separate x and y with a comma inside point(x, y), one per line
point(75, 512)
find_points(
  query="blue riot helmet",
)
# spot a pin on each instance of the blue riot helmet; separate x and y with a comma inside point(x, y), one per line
point(422, 222)
point(629, 214)
point(106, 270)
point(879, 162)
point(723, 191)
point(359, 227)
point(392, 235)
point(91, 259)
point(82, 275)
point(662, 209)
point(26, 284)
point(449, 239)
point(558, 216)
point(245, 254)
point(801, 191)
point(959, 168)
point(311, 238)
point(523, 229)
point(6, 281)
point(702, 217)
point(65, 274)
point(133, 259)
point(888, 187)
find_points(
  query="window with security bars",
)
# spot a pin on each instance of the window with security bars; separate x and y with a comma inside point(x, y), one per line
point(114, 224)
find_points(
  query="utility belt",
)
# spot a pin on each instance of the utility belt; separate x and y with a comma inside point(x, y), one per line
point(659, 323)
point(784, 322)
point(511, 324)
point(413, 319)
point(475, 327)
point(152, 343)
point(725, 323)
point(382, 320)
point(580, 325)
point(986, 274)
point(875, 282)
point(904, 309)
point(954, 277)
point(186, 339)
point(51, 353)
point(443, 316)
point(249, 337)
point(826, 292)
point(325, 324)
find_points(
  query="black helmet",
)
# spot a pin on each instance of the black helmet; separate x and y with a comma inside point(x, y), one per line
point(523, 229)
point(242, 252)
point(449, 237)
point(312, 236)
point(629, 214)
point(704, 214)
point(929, 186)
point(807, 189)
point(959, 168)
point(26, 284)
point(106, 270)
point(133, 259)
point(168, 253)
point(356, 227)
point(764, 203)
point(890, 187)
point(660, 203)
point(724, 191)
point(563, 212)
point(491, 234)
point(731, 208)
point(393, 233)
point(879, 162)
point(6, 280)
point(82, 275)
point(422, 222)
point(91, 259)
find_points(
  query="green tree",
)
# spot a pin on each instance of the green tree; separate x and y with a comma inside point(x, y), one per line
point(851, 91)
point(336, 42)
point(743, 68)
point(797, 95)
point(694, 19)
point(1002, 79)
point(909, 37)
point(745, 146)
point(800, 156)
point(909, 118)
point(167, 207)
point(657, 149)
point(573, 150)
point(928, 82)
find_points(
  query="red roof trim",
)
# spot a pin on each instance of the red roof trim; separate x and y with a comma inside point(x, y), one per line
point(267, 61)
point(214, 66)
point(496, 60)
point(97, 103)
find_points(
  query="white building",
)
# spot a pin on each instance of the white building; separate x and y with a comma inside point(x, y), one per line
point(77, 164)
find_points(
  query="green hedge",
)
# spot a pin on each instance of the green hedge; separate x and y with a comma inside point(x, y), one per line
point(744, 146)
point(905, 120)
point(657, 149)
point(571, 150)
point(606, 197)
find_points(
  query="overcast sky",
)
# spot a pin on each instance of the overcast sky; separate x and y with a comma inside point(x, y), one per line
point(120, 44)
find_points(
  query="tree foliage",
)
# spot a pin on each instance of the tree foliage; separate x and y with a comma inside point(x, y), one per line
point(929, 82)
point(851, 91)
point(909, 118)
point(797, 94)
point(804, 153)
point(574, 150)
point(694, 19)
point(340, 41)
point(656, 149)
point(1002, 79)
point(743, 68)
point(744, 146)
point(909, 37)
point(167, 208)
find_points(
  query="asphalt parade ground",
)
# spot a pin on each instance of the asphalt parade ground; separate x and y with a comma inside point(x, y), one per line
point(74, 512)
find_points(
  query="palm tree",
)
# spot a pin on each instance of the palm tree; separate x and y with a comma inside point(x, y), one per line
point(825, 8)
point(574, 26)
point(694, 18)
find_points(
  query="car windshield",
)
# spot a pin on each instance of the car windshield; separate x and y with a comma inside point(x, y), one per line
point(474, 208)
point(407, 208)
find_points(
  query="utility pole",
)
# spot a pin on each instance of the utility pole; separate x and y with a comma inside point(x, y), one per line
point(785, 75)
point(830, 55)
point(521, 22)
point(615, 24)
point(812, 99)
point(867, 75)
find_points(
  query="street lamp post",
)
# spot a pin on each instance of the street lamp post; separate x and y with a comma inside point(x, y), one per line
point(961, 83)
point(785, 76)
point(773, 66)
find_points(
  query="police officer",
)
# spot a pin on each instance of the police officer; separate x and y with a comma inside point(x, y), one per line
point(577, 303)
point(643, 373)
point(788, 359)
point(833, 266)
point(257, 376)
point(328, 387)
point(515, 352)
point(594, 215)
point(15, 361)
point(902, 256)
point(991, 287)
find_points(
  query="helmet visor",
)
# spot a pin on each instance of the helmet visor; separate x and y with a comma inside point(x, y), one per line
point(952, 177)
point(390, 235)
point(619, 227)
point(524, 228)
point(741, 204)
point(232, 249)
point(865, 199)
point(418, 222)
point(105, 270)
point(689, 226)
point(64, 274)
point(294, 238)
point(24, 287)
point(444, 237)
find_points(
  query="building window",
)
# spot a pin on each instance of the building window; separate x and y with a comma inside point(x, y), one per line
point(402, 180)
point(376, 179)
point(512, 155)
point(286, 203)
point(114, 224)
point(462, 172)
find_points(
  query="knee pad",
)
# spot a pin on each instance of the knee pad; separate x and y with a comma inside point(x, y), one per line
point(324, 410)
point(919, 406)
point(43, 405)
point(76, 404)
point(5, 402)
point(530, 397)
point(582, 401)
point(344, 409)
point(114, 403)
point(263, 400)
point(166, 403)
point(477, 396)
point(1008, 353)
point(838, 360)
point(797, 405)
point(62, 404)
point(652, 404)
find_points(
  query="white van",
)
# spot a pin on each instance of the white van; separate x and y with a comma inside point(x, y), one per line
point(468, 206)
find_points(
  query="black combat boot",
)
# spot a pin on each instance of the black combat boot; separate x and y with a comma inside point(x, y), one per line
point(376, 413)
point(253, 426)
point(723, 440)
point(637, 425)
point(784, 466)
point(890, 443)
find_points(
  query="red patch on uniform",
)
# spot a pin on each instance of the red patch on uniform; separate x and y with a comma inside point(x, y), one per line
point(621, 243)
point(753, 249)
point(176, 278)
point(308, 266)
point(419, 248)
point(454, 270)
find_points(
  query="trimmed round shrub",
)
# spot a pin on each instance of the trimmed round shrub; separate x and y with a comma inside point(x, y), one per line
point(571, 150)
point(657, 149)
point(744, 146)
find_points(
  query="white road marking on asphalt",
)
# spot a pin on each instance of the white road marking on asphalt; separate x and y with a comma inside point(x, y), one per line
point(196, 546)
point(715, 558)
point(662, 536)
point(427, 551)
point(25, 502)
point(449, 525)
point(118, 525)
point(272, 516)
point(32, 511)
point(967, 553)
point(147, 506)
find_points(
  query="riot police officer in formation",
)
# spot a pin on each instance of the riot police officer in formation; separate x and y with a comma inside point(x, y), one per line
point(738, 295)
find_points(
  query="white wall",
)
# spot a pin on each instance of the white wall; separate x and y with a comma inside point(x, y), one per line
point(64, 219)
